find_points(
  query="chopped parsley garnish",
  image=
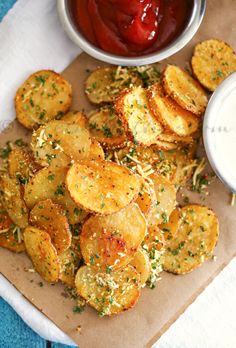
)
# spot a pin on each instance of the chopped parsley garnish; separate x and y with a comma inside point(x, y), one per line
point(19, 142)
point(40, 79)
point(59, 191)
point(51, 177)
point(78, 309)
point(107, 131)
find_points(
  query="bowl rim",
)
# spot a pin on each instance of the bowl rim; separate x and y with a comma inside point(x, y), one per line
point(209, 117)
point(199, 7)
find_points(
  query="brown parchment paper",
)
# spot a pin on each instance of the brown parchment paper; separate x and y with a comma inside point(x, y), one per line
point(157, 309)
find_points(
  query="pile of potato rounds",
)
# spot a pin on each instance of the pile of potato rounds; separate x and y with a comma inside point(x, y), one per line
point(92, 200)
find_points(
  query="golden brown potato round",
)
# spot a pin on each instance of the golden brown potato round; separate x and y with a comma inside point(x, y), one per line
point(49, 183)
point(170, 137)
point(69, 264)
point(170, 229)
point(183, 158)
point(75, 117)
point(41, 98)
point(138, 121)
point(213, 60)
point(106, 127)
point(12, 200)
point(96, 151)
point(154, 239)
point(21, 165)
point(10, 235)
point(109, 293)
point(104, 84)
point(186, 91)
point(42, 253)
point(165, 200)
point(146, 197)
point(102, 187)
point(194, 242)
point(10, 241)
point(142, 265)
point(57, 143)
point(51, 218)
point(172, 116)
point(110, 242)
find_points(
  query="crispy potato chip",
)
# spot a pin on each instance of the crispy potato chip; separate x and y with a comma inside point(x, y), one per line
point(170, 137)
point(102, 187)
point(142, 265)
point(146, 197)
point(42, 253)
point(170, 229)
point(109, 293)
point(110, 242)
point(172, 116)
point(69, 264)
point(49, 183)
point(194, 242)
point(21, 165)
point(57, 143)
point(141, 125)
point(186, 91)
point(106, 127)
point(9, 240)
point(213, 60)
point(96, 151)
point(75, 117)
point(104, 84)
point(10, 235)
point(12, 201)
point(42, 97)
point(183, 158)
point(154, 239)
point(51, 218)
point(166, 200)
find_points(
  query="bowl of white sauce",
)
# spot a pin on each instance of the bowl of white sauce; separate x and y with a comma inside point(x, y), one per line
point(219, 132)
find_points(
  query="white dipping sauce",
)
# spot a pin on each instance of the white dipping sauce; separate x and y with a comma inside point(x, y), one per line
point(219, 131)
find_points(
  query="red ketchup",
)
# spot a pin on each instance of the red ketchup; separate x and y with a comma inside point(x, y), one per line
point(130, 27)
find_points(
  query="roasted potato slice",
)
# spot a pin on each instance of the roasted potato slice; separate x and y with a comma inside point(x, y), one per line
point(183, 158)
point(12, 201)
point(9, 240)
point(213, 60)
point(10, 235)
point(51, 218)
point(142, 265)
point(75, 117)
point(42, 97)
point(172, 116)
point(102, 187)
point(21, 165)
point(138, 121)
point(96, 151)
point(154, 239)
point(110, 242)
point(146, 197)
point(104, 84)
point(42, 253)
point(69, 264)
point(165, 200)
point(106, 127)
point(170, 137)
point(50, 184)
point(57, 143)
point(170, 229)
point(109, 293)
point(186, 91)
point(194, 242)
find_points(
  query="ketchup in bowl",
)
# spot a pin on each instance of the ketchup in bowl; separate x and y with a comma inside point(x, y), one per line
point(130, 27)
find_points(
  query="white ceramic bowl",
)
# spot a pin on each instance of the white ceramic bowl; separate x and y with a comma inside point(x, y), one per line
point(76, 36)
point(219, 132)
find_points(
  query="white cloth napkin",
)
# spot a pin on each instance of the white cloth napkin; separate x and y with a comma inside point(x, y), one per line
point(32, 38)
